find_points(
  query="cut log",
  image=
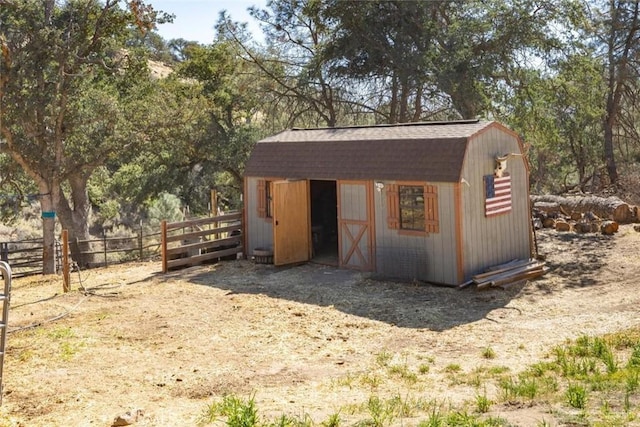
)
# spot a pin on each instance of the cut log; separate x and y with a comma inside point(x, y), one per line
point(611, 208)
point(549, 223)
point(609, 227)
point(586, 227)
point(547, 207)
point(562, 225)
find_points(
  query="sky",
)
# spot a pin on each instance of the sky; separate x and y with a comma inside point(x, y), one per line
point(195, 19)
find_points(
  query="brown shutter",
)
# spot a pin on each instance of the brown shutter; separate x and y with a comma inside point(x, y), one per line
point(432, 223)
point(393, 207)
point(262, 198)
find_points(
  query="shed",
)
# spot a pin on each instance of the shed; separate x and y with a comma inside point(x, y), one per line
point(432, 201)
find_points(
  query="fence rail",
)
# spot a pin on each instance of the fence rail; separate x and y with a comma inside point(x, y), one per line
point(179, 244)
point(114, 250)
point(25, 256)
point(194, 242)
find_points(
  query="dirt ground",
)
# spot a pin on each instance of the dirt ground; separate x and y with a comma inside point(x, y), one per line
point(305, 341)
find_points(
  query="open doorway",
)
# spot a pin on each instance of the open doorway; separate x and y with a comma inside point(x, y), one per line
point(324, 221)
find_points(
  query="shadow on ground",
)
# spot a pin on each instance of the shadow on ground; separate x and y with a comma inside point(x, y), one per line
point(406, 305)
point(578, 258)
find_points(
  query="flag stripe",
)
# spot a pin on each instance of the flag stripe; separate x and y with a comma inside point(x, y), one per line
point(497, 194)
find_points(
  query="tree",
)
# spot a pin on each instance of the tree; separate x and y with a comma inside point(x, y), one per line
point(198, 124)
point(298, 88)
point(62, 72)
point(388, 43)
point(576, 97)
point(229, 90)
point(18, 190)
point(619, 36)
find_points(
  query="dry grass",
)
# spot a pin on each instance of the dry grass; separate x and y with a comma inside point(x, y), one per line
point(308, 342)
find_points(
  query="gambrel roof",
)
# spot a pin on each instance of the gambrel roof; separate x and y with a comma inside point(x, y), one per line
point(428, 151)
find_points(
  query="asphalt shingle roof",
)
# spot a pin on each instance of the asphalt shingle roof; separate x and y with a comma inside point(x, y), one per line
point(431, 151)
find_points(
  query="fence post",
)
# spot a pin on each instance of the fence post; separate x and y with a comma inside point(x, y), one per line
point(140, 243)
point(66, 286)
point(214, 211)
point(4, 251)
point(163, 235)
point(104, 245)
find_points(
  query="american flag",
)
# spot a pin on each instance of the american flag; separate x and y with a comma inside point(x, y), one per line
point(497, 193)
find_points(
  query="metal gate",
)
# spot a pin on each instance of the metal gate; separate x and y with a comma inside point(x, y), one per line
point(5, 297)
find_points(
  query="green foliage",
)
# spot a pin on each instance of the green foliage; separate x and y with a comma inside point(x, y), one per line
point(452, 368)
point(403, 372)
point(383, 358)
point(65, 92)
point(435, 419)
point(76, 109)
point(332, 421)
point(634, 359)
point(513, 389)
point(380, 412)
point(483, 403)
point(238, 412)
point(17, 190)
point(488, 353)
point(577, 396)
point(167, 207)
point(424, 368)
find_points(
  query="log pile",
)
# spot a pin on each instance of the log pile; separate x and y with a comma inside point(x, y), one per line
point(582, 214)
point(509, 273)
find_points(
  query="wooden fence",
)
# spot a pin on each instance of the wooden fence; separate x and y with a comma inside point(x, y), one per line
point(180, 244)
point(115, 250)
point(25, 256)
point(198, 241)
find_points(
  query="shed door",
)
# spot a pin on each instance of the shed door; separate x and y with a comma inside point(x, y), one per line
point(291, 229)
point(355, 222)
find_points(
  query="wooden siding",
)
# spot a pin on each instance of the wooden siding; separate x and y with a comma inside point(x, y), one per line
point(355, 237)
point(259, 231)
point(497, 239)
point(428, 257)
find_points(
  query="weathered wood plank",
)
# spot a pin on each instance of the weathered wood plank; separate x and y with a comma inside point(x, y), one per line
point(209, 244)
point(202, 233)
point(204, 221)
point(199, 259)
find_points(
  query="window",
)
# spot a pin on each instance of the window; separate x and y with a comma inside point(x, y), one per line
point(411, 200)
point(412, 208)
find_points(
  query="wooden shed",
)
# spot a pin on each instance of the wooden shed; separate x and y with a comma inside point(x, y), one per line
point(434, 201)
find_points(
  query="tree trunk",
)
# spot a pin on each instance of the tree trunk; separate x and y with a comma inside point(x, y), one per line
point(393, 106)
point(609, 157)
point(608, 208)
point(75, 218)
point(48, 233)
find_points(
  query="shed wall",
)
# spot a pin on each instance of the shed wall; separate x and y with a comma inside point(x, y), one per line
point(259, 230)
point(429, 257)
point(493, 240)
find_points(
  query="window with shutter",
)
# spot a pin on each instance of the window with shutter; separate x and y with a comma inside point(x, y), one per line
point(432, 221)
point(412, 208)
